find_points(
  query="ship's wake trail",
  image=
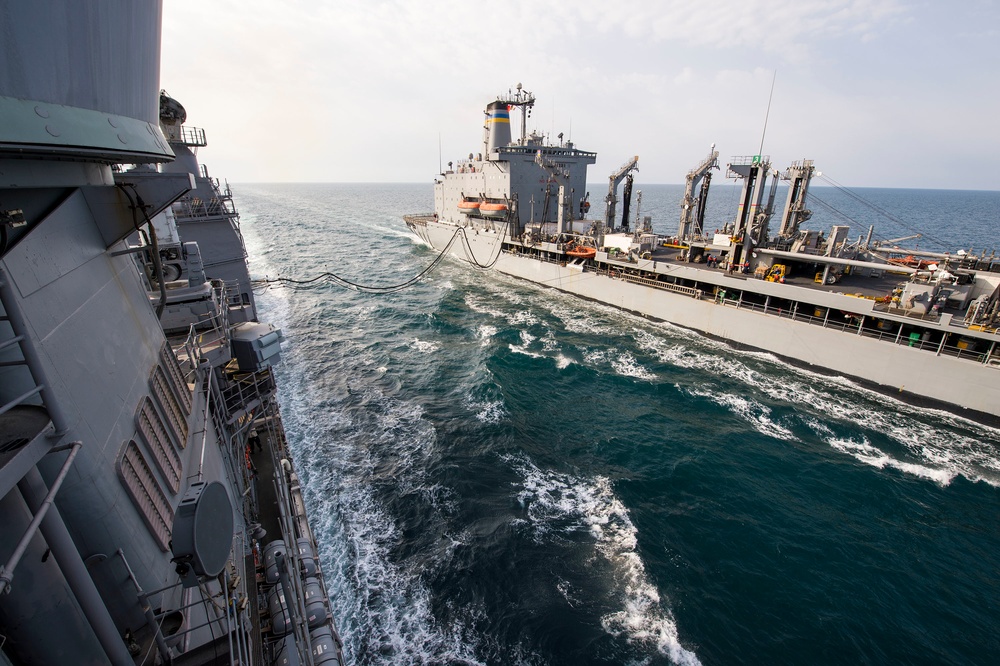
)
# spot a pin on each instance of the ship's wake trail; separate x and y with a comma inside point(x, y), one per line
point(385, 600)
point(558, 505)
point(910, 439)
point(776, 398)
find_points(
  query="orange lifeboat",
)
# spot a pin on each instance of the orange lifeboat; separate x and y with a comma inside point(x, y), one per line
point(493, 209)
point(468, 206)
point(582, 252)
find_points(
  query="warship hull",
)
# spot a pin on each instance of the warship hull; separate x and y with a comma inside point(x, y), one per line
point(150, 506)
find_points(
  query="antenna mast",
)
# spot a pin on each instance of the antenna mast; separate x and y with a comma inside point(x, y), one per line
point(523, 100)
point(767, 114)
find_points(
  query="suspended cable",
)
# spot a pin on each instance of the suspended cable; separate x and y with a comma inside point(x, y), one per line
point(832, 209)
point(909, 227)
point(471, 255)
point(333, 278)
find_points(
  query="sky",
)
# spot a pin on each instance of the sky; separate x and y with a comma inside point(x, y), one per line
point(879, 93)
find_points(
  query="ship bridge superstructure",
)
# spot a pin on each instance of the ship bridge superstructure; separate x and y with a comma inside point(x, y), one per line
point(206, 215)
point(507, 173)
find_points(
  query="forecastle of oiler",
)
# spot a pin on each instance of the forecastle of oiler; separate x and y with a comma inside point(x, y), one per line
point(919, 325)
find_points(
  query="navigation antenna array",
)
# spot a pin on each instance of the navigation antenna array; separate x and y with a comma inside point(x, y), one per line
point(522, 99)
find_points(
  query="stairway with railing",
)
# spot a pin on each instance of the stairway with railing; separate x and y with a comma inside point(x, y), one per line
point(30, 422)
point(31, 426)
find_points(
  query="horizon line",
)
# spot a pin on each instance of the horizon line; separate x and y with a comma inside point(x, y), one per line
point(728, 184)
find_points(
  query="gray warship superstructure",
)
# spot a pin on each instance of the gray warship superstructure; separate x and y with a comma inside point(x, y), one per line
point(151, 512)
point(919, 325)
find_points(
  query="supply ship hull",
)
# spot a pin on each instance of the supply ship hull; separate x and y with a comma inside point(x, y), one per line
point(923, 329)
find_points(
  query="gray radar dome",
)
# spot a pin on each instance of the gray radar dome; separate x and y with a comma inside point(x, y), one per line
point(203, 532)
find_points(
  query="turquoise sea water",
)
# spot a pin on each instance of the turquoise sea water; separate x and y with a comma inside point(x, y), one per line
point(499, 473)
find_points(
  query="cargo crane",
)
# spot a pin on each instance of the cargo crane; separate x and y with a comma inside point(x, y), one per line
point(692, 212)
point(750, 228)
point(612, 200)
point(798, 176)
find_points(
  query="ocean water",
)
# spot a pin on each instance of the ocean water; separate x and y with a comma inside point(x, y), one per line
point(498, 473)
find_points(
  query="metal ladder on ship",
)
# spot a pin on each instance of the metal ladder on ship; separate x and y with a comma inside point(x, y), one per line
point(29, 432)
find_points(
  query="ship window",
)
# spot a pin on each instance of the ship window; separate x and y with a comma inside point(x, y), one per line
point(246, 298)
point(176, 379)
point(176, 417)
point(146, 494)
point(165, 456)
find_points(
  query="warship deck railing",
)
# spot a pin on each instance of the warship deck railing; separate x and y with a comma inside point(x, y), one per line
point(991, 357)
point(196, 207)
point(189, 136)
point(211, 345)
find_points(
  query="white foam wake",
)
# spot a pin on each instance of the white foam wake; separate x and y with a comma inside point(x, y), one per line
point(871, 455)
point(424, 346)
point(383, 604)
point(621, 362)
point(930, 444)
point(938, 445)
point(558, 502)
point(755, 413)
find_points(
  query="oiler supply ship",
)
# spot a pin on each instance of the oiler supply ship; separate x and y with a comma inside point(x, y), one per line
point(919, 325)
point(151, 512)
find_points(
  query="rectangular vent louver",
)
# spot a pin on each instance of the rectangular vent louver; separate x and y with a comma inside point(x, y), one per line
point(177, 383)
point(165, 456)
point(148, 497)
point(176, 417)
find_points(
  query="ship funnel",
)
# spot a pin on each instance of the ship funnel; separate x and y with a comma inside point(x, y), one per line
point(497, 126)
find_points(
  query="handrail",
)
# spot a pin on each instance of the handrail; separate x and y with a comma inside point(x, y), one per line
point(19, 328)
point(984, 358)
point(194, 207)
point(204, 429)
point(219, 332)
point(989, 358)
point(189, 136)
point(7, 570)
point(21, 398)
